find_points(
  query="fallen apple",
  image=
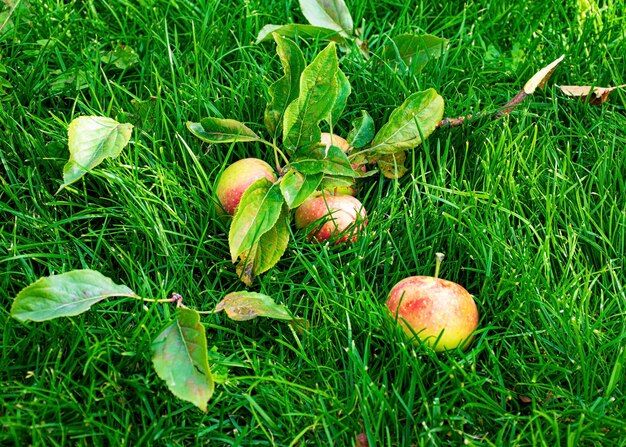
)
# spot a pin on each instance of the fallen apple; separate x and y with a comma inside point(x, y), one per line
point(441, 313)
point(237, 178)
point(331, 216)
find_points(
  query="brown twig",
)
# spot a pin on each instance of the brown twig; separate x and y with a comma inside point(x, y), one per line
point(510, 106)
point(454, 122)
point(539, 80)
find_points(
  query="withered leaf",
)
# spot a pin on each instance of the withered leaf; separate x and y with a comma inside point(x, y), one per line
point(593, 95)
point(242, 306)
point(540, 78)
point(392, 165)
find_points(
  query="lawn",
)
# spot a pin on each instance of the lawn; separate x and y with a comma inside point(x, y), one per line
point(529, 209)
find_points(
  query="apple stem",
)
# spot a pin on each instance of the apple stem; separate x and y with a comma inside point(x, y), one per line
point(439, 257)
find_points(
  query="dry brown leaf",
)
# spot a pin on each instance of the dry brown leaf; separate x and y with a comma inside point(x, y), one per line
point(594, 95)
point(540, 78)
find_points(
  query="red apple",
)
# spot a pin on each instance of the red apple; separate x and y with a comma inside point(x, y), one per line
point(237, 178)
point(331, 216)
point(437, 310)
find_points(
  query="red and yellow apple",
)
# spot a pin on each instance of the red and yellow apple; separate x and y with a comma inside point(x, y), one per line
point(441, 313)
point(331, 216)
point(237, 178)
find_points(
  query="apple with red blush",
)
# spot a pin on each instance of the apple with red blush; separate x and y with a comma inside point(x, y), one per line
point(440, 313)
point(328, 216)
point(237, 178)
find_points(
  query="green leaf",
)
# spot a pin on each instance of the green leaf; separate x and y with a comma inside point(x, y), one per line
point(414, 120)
point(317, 159)
point(266, 253)
point(242, 306)
point(414, 50)
point(343, 92)
point(180, 358)
point(273, 244)
point(296, 30)
point(91, 139)
point(257, 213)
point(333, 14)
point(145, 112)
point(362, 131)
point(318, 92)
point(122, 57)
point(296, 187)
point(219, 130)
point(64, 295)
point(286, 89)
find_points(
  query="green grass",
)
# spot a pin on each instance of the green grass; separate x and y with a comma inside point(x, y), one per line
point(530, 211)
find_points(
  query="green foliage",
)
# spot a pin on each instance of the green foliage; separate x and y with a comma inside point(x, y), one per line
point(319, 88)
point(257, 213)
point(64, 295)
point(218, 130)
point(528, 209)
point(91, 139)
point(265, 250)
point(362, 131)
point(333, 14)
point(294, 30)
point(5, 85)
point(412, 122)
point(298, 102)
point(286, 89)
point(414, 51)
point(319, 160)
point(180, 358)
point(122, 57)
point(297, 186)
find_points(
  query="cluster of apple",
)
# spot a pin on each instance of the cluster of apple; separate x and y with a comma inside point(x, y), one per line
point(317, 185)
point(327, 215)
point(440, 313)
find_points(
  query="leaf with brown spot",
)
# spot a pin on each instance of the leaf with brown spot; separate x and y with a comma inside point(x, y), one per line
point(392, 165)
point(180, 358)
point(242, 306)
point(593, 95)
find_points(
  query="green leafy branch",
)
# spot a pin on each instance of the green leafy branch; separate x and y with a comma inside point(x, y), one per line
point(179, 352)
point(299, 101)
